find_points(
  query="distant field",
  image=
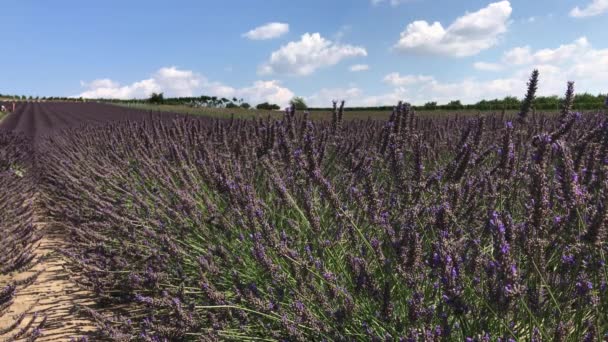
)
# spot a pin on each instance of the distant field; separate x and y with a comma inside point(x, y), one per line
point(38, 119)
point(212, 112)
point(315, 114)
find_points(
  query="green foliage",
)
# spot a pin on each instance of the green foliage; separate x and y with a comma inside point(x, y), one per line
point(267, 106)
point(299, 103)
point(430, 105)
point(324, 247)
point(579, 102)
point(157, 98)
point(454, 105)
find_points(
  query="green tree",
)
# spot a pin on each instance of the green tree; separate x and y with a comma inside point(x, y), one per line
point(511, 102)
point(267, 106)
point(454, 105)
point(298, 102)
point(430, 105)
point(157, 98)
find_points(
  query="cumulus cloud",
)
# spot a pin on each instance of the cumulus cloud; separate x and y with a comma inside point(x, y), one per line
point(100, 83)
point(260, 91)
point(325, 96)
point(578, 61)
point(484, 66)
point(310, 53)
point(466, 36)
point(523, 55)
point(562, 54)
point(596, 7)
point(518, 56)
point(175, 82)
point(359, 67)
point(419, 89)
point(267, 31)
point(172, 81)
point(395, 79)
point(356, 97)
point(108, 89)
point(469, 90)
point(178, 82)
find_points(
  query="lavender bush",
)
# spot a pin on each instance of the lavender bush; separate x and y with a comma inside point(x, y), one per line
point(18, 235)
point(412, 229)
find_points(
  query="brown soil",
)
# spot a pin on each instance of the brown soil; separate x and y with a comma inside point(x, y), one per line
point(52, 295)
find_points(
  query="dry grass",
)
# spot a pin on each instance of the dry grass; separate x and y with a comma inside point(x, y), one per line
point(315, 114)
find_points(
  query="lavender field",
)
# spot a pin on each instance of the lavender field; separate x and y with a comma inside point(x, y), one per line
point(451, 228)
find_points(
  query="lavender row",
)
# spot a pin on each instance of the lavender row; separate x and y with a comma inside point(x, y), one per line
point(18, 235)
point(413, 229)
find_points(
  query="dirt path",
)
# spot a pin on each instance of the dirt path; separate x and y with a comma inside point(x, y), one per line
point(52, 297)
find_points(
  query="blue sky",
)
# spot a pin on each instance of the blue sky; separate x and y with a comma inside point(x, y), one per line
point(368, 52)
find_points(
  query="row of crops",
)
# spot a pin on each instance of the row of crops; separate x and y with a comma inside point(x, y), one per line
point(447, 228)
point(415, 228)
point(18, 235)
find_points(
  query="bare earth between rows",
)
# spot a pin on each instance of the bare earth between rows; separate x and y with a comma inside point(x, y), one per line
point(53, 296)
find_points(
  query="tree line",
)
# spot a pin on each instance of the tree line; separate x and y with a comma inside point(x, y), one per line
point(583, 101)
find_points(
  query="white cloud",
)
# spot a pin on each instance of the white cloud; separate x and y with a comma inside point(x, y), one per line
point(359, 67)
point(524, 55)
point(267, 31)
point(108, 89)
point(271, 91)
point(484, 66)
point(466, 36)
point(561, 54)
point(175, 82)
point(260, 91)
point(471, 89)
point(356, 97)
point(395, 79)
point(178, 82)
point(325, 96)
point(170, 80)
point(518, 56)
point(419, 89)
point(596, 7)
point(577, 61)
point(310, 53)
point(100, 83)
